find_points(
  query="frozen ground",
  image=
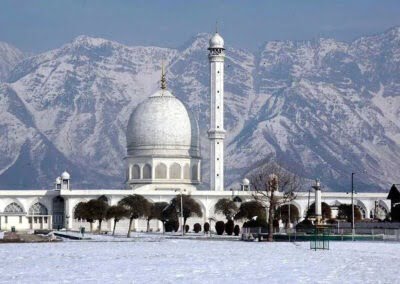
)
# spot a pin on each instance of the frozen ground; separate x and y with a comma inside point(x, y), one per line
point(159, 260)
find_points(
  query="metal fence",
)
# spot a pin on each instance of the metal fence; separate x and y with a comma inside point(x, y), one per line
point(336, 233)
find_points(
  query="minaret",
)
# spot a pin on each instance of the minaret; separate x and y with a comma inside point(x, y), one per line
point(216, 133)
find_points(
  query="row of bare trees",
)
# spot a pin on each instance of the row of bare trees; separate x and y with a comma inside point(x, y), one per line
point(136, 206)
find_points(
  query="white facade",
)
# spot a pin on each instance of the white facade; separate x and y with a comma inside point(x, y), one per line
point(163, 159)
point(216, 133)
point(54, 215)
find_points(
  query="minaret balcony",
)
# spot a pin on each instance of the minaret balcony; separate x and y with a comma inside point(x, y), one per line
point(216, 134)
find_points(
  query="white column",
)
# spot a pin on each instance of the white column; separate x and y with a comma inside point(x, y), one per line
point(216, 133)
point(68, 212)
point(318, 204)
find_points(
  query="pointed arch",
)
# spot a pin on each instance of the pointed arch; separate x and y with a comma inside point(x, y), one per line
point(175, 171)
point(38, 209)
point(161, 171)
point(147, 171)
point(58, 211)
point(136, 172)
point(13, 208)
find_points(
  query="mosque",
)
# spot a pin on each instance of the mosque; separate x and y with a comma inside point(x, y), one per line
point(163, 160)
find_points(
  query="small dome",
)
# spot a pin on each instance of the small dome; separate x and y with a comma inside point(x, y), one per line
point(245, 181)
point(65, 175)
point(161, 125)
point(58, 180)
point(216, 41)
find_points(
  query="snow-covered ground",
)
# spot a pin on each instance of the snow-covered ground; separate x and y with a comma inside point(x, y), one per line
point(162, 260)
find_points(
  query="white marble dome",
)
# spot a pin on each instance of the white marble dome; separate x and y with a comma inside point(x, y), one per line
point(162, 126)
point(216, 41)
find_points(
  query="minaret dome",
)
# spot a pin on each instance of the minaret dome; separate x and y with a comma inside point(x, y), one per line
point(216, 41)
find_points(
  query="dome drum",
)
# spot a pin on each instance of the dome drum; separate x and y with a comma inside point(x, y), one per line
point(163, 170)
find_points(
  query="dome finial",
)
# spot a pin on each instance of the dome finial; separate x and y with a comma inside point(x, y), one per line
point(216, 26)
point(163, 80)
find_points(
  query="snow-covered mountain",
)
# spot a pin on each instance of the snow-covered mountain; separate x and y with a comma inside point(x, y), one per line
point(323, 108)
point(9, 57)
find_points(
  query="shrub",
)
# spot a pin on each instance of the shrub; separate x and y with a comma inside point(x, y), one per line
point(197, 228)
point(305, 226)
point(331, 221)
point(171, 226)
point(259, 222)
point(206, 227)
point(187, 228)
point(220, 227)
point(229, 227)
point(236, 230)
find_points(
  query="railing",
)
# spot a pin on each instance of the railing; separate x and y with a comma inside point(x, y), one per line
point(375, 234)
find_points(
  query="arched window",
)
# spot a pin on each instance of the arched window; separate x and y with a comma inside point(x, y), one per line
point(13, 208)
point(136, 172)
point(147, 171)
point(37, 209)
point(161, 171)
point(175, 171)
point(195, 175)
point(186, 172)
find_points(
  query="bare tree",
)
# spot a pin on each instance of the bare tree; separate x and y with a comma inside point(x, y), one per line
point(274, 186)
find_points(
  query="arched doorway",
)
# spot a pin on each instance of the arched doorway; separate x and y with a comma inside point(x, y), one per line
point(58, 212)
point(325, 208)
point(284, 214)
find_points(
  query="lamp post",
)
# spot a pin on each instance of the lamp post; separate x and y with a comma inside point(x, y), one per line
point(180, 191)
point(352, 207)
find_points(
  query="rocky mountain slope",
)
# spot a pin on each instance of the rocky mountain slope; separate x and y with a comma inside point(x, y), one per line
point(9, 57)
point(323, 108)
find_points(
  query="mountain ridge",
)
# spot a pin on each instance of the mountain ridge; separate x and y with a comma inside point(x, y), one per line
point(289, 101)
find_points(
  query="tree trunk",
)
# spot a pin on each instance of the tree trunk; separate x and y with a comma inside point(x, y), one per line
point(271, 217)
point(148, 225)
point(115, 224)
point(100, 225)
point(270, 224)
point(91, 226)
point(130, 226)
point(184, 225)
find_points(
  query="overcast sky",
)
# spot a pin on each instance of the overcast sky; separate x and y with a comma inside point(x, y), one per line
point(41, 25)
